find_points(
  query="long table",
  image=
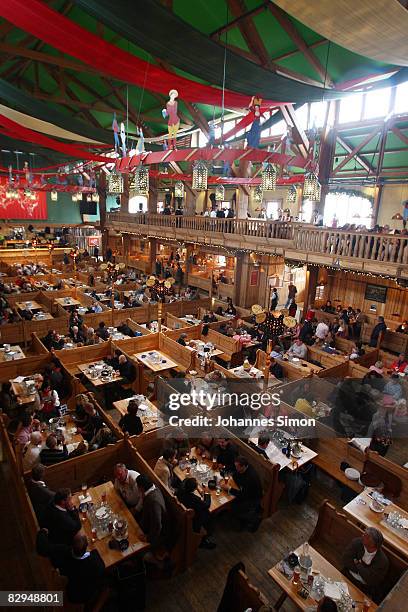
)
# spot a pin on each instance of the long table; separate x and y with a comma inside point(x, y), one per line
point(359, 509)
point(137, 543)
point(98, 382)
point(14, 354)
point(275, 455)
point(150, 421)
point(163, 363)
point(321, 566)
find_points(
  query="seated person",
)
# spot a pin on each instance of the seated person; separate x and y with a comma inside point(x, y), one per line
point(225, 453)
point(130, 422)
point(209, 317)
point(84, 570)
point(182, 339)
point(262, 444)
point(276, 369)
point(91, 337)
point(114, 360)
point(298, 349)
point(230, 309)
point(126, 302)
point(25, 313)
point(124, 329)
point(96, 307)
point(50, 402)
point(328, 307)
point(400, 364)
point(102, 332)
point(25, 428)
point(153, 518)
point(126, 369)
point(357, 350)
point(322, 331)
point(403, 328)
point(179, 441)
point(31, 452)
point(76, 335)
point(200, 502)
point(248, 495)
point(277, 351)
point(365, 562)
point(205, 445)
point(61, 518)
point(40, 494)
point(102, 438)
point(164, 467)
point(125, 484)
point(91, 423)
point(393, 387)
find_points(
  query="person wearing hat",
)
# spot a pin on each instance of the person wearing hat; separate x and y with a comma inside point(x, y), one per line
point(173, 122)
point(365, 563)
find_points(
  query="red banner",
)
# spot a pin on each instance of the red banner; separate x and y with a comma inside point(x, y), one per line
point(22, 207)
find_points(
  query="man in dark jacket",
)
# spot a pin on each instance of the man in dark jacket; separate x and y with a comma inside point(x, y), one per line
point(262, 445)
point(201, 506)
point(40, 494)
point(225, 452)
point(127, 369)
point(247, 493)
point(85, 570)
point(61, 518)
point(378, 329)
point(153, 521)
point(366, 564)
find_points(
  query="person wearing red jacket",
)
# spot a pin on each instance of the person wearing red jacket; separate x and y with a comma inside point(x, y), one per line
point(399, 364)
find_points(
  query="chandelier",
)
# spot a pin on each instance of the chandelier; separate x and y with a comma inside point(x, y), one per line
point(140, 184)
point(200, 175)
point(54, 195)
point(178, 189)
point(311, 187)
point(115, 183)
point(291, 194)
point(269, 176)
point(258, 194)
point(220, 193)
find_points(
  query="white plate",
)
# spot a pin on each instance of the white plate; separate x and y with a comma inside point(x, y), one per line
point(101, 512)
point(295, 359)
point(352, 474)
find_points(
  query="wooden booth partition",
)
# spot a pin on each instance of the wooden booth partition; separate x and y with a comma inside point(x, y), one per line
point(193, 332)
point(193, 306)
point(173, 322)
point(137, 328)
point(290, 371)
point(391, 341)
point(23, 367)
point(347, 369)
point(182, 355)
point(13, 333)
point(37, 346)
point(84, 354)
point(227, 345)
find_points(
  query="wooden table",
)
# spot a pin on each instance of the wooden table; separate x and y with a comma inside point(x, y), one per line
point(29, 305)
point(67, 304)
point(69, 436)
point(218, 502)
point(20, 392)
point(149, 422)
point(326, 569)
point(200, 348)
point(145, 359)
point(239, 372)
point(301, 366)
point(327, 359)
point(275, 455)
point(363, 514)
point(97, 382)
point(15, 353)
point(135, 535)
point(192, 321)
point(46, 316)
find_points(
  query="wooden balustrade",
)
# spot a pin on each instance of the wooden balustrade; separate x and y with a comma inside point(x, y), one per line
point(303, 239)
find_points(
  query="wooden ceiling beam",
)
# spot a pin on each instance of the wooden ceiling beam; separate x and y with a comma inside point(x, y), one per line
point(249, 32)
point(299, 137)
point(399, 134)
point(238, 20)
point(292, 32)
point(354, 151)
point(289, 54)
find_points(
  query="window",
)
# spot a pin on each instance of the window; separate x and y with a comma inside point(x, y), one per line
point(301, 115)
point(347, 208)
point(350, 108)
point(317, 114)
point(401, 98)
point(272, 208)
point(138, 204)
point(377, 103)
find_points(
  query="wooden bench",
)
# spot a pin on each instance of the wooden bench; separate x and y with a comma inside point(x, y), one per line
point(240, 594)
point(334, 531)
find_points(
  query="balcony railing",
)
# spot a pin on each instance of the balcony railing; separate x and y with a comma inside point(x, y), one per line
point(387, 248)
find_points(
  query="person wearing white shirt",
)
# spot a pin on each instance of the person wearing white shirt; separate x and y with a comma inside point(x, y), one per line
point(31, 452)
point(298, 349)
point(365, 561)
point(213, 214)
point(322, 330)
point(125, 484)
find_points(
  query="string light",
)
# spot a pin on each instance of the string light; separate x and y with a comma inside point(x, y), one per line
point(291, 195)
point(220, 193)
point(115, 183)
point(200, 176)
point(311, 187)
point(179, 189)
point(258, 194)
point(269, 177)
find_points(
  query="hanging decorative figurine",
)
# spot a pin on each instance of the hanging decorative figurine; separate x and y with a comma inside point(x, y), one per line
point(254, 134)
point(140, 142)
point(123, 138)
point(173, 122)
point(115, 128)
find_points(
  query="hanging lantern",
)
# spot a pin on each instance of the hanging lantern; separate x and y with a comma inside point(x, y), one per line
point(88, 197)
point(258, 194)
point(54, 195)
point(220, 193)
point(291, 195)
point(178, 189)
point(311, 187)
point(74, 197)
point(132, 182)
point(115, 183)
point(95, 197)
point(142, 180)
point(269, 177)
point(200, 175)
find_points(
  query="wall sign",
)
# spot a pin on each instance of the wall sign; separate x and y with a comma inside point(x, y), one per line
point(376, 293)
point(253, 279)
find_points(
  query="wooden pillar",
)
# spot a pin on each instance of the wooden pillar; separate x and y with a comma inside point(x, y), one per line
point(189, 253)
point(102, 199)
point(241, 279)
point(377, 202)
point(153, 255)
point(242, 203)
point(124, 198)
point(189, 201)
point(153, 195)
point(312, 275)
